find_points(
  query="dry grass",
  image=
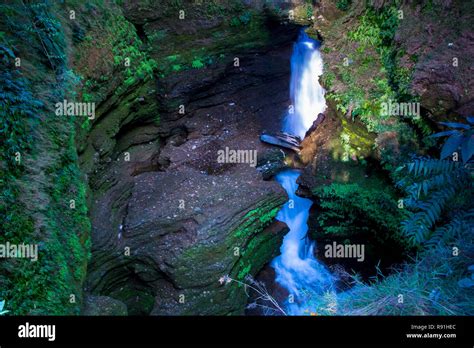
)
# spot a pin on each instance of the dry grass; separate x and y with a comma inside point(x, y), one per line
point(429, 286)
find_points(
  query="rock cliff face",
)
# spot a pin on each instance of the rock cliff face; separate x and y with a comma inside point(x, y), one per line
point(440, 56)
point(434, 56)
point(174, 83)
point(170, 220)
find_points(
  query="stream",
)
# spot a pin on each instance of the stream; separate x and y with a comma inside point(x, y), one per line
point(296, 268)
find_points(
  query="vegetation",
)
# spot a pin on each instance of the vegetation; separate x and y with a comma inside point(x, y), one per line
point(428, 212)
point(440, 216)
point(431, 211)
point(2, 305)
point(349, 210)
point(44, 286)
point(343, 5)
point(428, 285)
point(433, 185)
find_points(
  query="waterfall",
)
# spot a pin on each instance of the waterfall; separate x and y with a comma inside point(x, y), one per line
point(296, 267)
point(307, 95)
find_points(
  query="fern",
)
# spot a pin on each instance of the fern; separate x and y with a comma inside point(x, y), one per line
point(430, 185)
point(457, 178)
point(427, 166)
point(462, 222)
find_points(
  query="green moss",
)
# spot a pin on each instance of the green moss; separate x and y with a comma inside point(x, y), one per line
point(353, 210)
point(44, 286)
point(197, 64)
point(259, 214)
point(244, 271)
point(354, 142)
point(127, 52)
point(372, 60)
point(343, 5)
point(243, 29)
point(255, 249)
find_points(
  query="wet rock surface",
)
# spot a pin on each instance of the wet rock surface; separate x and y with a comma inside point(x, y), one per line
point(168, 223)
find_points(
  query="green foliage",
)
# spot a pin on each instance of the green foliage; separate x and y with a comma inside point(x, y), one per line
point(429, 286)
point(18, 116)
point(35, 26)
point(127, 47)
point(242, 19)
point(431, 186)
point(244, 271)
point(197, 64)
point(48, 283)
point(45, 286)
point(400, 77)
point(349, 210)
point(309, 10)
point(328, 79)
point(343, 5)
point(376, 28)
point(234, 22)
point(460, 224)
point(374, 37)
point(364, 106)
point(2, 305)
point(434, 185)
point(461, 136)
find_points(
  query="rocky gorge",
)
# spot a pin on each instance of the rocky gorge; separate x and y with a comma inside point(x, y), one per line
point(160, 220)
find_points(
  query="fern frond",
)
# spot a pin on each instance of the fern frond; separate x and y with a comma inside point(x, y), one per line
point(456, 179)
point(417, 226)
point(461, 223)
point(429, 166)
point(414, 229)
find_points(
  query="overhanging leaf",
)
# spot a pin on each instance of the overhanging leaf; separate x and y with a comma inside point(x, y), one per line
point(444, 133)
point(467, 148)
point(456, 125)
point(451, 145)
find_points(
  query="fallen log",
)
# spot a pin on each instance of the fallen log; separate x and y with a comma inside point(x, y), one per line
point(285, 140)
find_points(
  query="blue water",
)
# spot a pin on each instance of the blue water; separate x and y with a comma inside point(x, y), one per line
point(307, 95)
point(296, 268)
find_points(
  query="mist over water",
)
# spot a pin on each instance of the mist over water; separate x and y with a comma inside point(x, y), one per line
point(307, 95)
point(296, 268)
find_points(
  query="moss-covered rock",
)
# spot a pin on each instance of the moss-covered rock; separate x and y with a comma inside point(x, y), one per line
point(43, 195)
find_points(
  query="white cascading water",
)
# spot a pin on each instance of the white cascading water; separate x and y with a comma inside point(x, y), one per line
point(307, 95)
point(296, 268)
